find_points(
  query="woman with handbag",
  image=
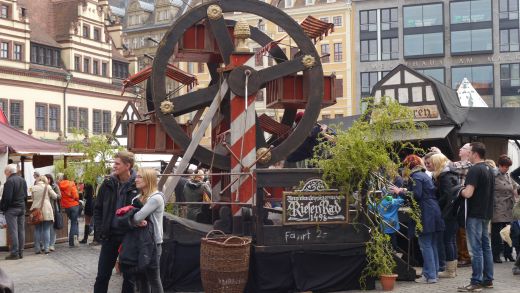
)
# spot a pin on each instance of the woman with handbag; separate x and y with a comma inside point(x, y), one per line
point(504, 200)
point(56, 209)
point(42, 195)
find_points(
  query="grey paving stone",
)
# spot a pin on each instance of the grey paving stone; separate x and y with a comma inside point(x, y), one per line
point(73, 270)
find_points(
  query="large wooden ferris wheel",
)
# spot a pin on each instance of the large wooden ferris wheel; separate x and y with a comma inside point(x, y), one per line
point(204, 35)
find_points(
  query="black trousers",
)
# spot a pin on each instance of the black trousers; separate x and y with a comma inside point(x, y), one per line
point(150, 281)
point(107, 260)
point(497, 244)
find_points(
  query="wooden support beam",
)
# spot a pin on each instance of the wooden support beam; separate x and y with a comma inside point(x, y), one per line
point(196, 138)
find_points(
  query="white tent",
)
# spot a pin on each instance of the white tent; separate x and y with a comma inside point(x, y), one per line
point(468, 96)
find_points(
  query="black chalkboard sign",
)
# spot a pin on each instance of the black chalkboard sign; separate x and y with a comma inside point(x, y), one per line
point(315, 207)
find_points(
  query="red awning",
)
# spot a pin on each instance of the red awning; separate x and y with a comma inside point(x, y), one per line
point(3, 119)
point(18, 142)
point(315, 28)
point(171, 71)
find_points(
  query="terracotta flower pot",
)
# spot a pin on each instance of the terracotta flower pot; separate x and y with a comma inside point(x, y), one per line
point(388, 282)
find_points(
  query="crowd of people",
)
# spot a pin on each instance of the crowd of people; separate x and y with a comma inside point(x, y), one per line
point(126, 214)
point(473, 202)
point(467, 215)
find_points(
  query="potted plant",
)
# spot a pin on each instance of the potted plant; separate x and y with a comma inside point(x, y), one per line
point(380, 260)
point(371, 147)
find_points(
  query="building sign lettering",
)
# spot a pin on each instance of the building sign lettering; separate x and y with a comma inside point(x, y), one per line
point(425, 112)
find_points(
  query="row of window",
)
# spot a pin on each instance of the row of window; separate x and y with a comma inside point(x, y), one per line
point(48, 117)
point(480, 76)
point(423, 30)
point(338, 52)
point(90, 66)
point(290, 3)
point(10, 50)
point(96, 32)
point(45, 55)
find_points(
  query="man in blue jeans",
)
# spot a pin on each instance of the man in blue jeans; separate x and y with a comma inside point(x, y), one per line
point(478, 190)
point(13, 201)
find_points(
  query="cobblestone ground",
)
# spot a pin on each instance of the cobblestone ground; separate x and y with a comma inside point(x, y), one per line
point(73, 270)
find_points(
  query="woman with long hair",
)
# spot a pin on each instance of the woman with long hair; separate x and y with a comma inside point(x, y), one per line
point(424, 193)
point(152, 210)
point(55, 203)
point(446, 181)
point(42, 195)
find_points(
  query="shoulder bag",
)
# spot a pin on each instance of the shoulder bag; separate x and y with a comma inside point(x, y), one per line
point(58, 217)
point(36, 214)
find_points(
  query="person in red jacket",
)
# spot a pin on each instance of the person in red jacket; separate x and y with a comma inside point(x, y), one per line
point(70, 202)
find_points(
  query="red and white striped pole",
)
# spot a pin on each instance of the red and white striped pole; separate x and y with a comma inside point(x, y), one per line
point(242, 125)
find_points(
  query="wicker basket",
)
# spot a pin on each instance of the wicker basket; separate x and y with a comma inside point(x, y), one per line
point(224, 262)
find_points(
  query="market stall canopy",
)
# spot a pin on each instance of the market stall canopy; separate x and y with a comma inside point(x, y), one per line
point(345, 122)
point(431, 133)
point(492, 122)
point(18, 142)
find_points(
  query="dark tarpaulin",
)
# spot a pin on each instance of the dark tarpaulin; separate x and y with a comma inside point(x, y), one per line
point(492, 122)
point(18, 142)
point(299, 271)
point(270, 272)
point(345, 122)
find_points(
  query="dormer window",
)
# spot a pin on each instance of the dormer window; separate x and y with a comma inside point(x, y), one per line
point(289, 3)
point(164, 15)
point(4, 11)
point(86, 31)
point(97, 34)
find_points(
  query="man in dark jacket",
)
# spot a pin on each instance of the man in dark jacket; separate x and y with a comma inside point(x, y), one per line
point(12, 204)
point(115, 192)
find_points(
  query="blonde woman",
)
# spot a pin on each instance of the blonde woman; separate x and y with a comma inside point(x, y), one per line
point(42, 191)
point(153, 210)
point(446, 181)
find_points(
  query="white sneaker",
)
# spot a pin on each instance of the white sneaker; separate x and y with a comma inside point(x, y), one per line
point(51, 248)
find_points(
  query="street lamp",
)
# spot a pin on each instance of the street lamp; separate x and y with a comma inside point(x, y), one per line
point(153, 40)
point(68, 77)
